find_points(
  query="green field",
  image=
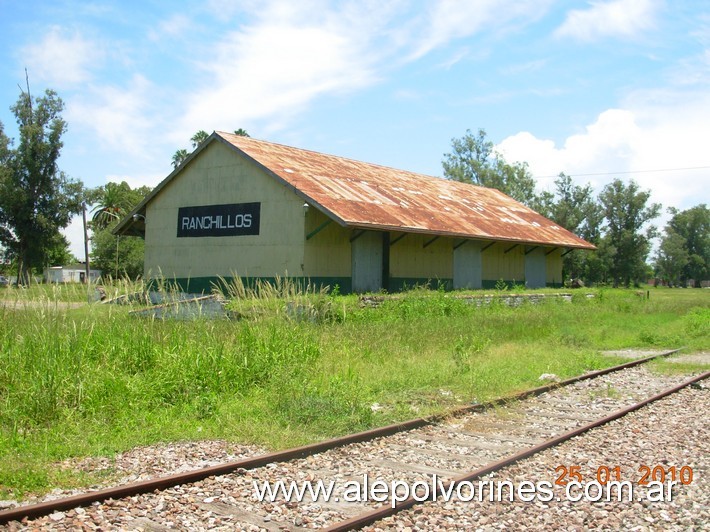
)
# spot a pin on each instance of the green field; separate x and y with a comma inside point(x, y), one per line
point(293, 369)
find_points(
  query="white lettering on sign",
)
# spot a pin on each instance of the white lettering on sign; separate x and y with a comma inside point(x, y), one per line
point(216, 222)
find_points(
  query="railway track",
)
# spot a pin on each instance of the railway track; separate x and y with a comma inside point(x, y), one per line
point(458, 447)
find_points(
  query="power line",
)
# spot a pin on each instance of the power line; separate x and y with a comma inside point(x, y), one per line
point(630, 172)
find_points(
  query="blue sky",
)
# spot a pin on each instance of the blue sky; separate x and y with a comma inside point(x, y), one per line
point(596, 89)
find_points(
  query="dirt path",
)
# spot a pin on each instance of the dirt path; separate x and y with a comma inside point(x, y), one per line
point(18, 304)
point(692, 358)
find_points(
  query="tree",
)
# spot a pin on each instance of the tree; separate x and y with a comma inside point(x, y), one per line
point(693, 225)
point(672, 257)
point(198, 138)
point(115, 255)
point(474, 161)
point(5, 176)
point(514, 180)
point(179, 157)
point(470, 160)
point(574, 208)
point(626, 214)
point(596, 265)
point(36, 198)
point(113, 201)
point(58, 253)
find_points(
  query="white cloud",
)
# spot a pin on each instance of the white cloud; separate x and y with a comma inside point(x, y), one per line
point(455, 58)
point(225, 10)
point(692, 71)
point(619, 18)
point(651, 142)
point(293, 52)
point(524, 68)
point(408, 95)
point(62, 58)
point(604, 147)
point(120, 116)
point(75, 235)
point(175, 26)
point(278, 65)
point(658, 137)
point(448, 20)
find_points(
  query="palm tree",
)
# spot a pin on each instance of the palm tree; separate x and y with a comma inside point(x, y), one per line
point(179, 157)
point(114, 202)
point(199, 137)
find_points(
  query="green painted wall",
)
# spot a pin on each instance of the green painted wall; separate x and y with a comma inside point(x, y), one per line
point(206, 285)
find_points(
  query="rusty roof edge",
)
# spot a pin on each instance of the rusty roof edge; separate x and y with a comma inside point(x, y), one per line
point(399, 229)
point(125, 225)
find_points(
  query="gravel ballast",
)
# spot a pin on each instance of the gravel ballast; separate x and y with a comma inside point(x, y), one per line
point(673, 432)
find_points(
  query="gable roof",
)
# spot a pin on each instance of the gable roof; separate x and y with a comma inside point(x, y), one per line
point(369, 196)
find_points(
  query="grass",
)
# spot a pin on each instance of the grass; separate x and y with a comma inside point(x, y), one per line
point(299, 366)
point(66, 293)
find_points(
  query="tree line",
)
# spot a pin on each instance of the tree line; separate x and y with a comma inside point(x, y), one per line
point(617, 221)
point(37, 200)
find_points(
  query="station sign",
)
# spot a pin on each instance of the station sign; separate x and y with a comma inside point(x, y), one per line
point(233, 219)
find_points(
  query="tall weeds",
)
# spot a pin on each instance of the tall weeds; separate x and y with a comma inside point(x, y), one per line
point(295, 364)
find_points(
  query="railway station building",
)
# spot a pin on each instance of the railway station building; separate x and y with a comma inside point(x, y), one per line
point(240, 207)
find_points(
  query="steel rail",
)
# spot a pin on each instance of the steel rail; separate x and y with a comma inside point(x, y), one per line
point(32, 511)
point(373, 516)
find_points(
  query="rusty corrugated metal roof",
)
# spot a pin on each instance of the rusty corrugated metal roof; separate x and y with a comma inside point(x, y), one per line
point(369, 196)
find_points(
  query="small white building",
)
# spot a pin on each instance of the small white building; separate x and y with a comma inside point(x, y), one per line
point(74, 273)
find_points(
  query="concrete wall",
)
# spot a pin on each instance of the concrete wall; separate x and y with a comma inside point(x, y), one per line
point(535, 268)
point(468, 265)
point(219, 176)
point(367, 259)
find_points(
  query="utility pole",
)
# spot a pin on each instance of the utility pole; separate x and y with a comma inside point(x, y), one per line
point(86, 253)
